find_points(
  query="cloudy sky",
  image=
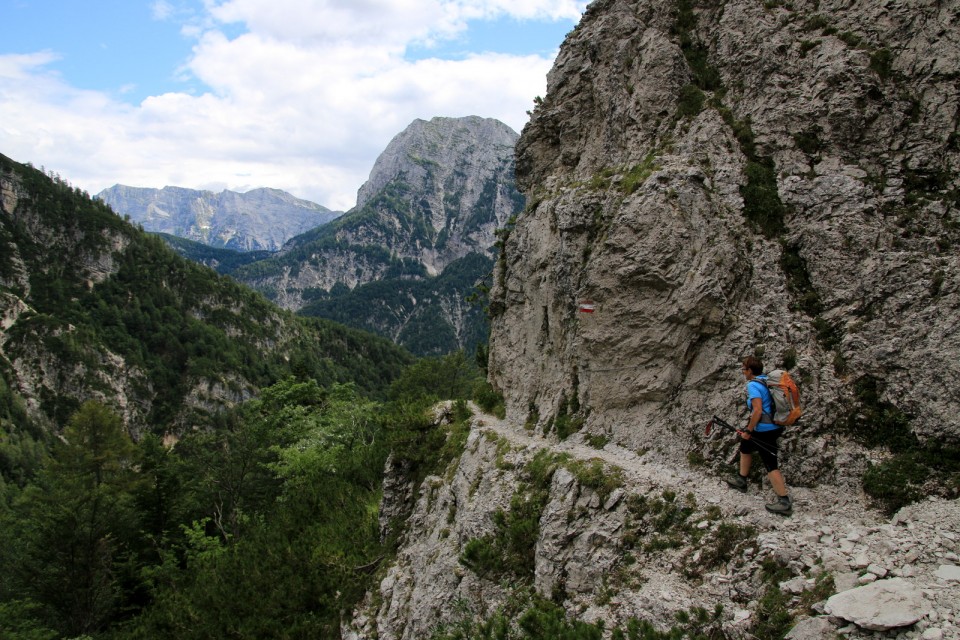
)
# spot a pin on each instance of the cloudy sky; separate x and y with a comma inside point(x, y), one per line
point(300, 95)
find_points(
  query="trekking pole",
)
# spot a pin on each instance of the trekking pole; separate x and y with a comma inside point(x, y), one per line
point(740, 432)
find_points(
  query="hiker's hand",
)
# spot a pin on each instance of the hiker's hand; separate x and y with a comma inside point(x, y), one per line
point(744, 434)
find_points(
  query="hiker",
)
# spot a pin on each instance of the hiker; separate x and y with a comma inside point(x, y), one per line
point(761, 435)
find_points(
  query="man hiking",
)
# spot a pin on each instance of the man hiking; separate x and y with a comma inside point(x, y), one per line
point(761, 435)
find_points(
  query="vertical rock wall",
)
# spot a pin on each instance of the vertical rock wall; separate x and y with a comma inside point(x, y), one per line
point(721, 178)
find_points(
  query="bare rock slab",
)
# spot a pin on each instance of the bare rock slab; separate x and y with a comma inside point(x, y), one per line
point(879, 606)
point(948, 572)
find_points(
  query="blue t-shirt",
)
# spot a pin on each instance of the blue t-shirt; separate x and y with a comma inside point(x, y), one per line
point(757, 389)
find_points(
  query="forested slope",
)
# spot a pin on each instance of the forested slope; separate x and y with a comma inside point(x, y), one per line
point(93, 308)
point(179, 458)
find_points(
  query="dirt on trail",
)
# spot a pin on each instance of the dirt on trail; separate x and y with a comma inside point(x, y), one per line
point(822, 506)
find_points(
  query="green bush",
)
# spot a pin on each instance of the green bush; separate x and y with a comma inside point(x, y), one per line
point(881, 62)
point(705, 75)
point(914, 469)
point(636, 176)
point(537, 618)
point(806, 46)
point(816, 22)
point(772, 618)
point(723, 544)
point(510, 549)
point(690, 102)
point(450, 377)
point(597, 475)
point(597, 441)
point(798, 279)
point(902, 479)
point(567, 425)
point(875, 422)
point(488, 399)
point(789, 360)
point(809, 141)
point(761, 201)
point(482, 556)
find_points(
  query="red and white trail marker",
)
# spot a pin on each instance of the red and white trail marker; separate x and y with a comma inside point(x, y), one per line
point(587, 306)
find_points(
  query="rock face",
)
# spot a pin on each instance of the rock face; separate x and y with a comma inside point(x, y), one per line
point(261, 219)
point(620, 535)
point(880, 606)
point(436, 194)
point(458, 173)
point(727, 178)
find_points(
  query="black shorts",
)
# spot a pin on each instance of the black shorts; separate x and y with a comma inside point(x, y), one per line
point(765, 443)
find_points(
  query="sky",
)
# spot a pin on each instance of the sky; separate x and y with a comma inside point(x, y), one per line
point(299, 95)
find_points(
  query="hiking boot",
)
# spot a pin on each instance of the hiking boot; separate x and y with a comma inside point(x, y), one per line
point(782, 506)
point(738, 482)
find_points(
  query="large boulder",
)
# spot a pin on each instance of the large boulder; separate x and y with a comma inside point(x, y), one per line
point(882, 605)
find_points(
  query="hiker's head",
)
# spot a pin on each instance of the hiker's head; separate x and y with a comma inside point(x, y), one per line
point(753, 365)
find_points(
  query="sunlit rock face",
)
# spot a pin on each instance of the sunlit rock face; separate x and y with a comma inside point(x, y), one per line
point(720, 179)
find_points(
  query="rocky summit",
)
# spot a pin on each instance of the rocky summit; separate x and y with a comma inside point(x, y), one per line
point(260, 219)
point(707, 180)
point(437, 194)
point(458, 174)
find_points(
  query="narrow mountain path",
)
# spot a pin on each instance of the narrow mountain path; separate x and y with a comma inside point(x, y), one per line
point(822, 507)
point(831, 530)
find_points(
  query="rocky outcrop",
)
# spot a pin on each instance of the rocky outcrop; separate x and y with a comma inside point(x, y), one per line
point(260, 219)
point(621, 535)
point(880, 606)
point(727, 178)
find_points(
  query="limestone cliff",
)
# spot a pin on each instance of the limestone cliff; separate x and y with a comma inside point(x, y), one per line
point(716, 178)
point(723, 178)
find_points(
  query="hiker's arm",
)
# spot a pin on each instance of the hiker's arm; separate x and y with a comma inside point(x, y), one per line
point(756, 410)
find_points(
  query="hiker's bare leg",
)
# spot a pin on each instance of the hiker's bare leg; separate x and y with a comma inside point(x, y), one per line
point(745, 460)
point(776, 479)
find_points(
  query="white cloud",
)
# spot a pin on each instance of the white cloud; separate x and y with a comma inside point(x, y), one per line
point(20, 66)
point(303, 101)
point(385, 24)
point(162, 10)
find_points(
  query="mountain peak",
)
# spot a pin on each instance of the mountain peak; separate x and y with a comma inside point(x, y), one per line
point(439, 155)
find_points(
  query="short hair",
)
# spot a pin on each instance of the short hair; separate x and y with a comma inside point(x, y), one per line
point(753, 363)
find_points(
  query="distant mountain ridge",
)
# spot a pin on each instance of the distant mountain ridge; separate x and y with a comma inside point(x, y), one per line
point(261, 219)
point(435, 199)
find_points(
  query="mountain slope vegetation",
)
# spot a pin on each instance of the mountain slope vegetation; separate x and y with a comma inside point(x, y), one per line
point(179, 458)
point(96, 309)
point(428, 315)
